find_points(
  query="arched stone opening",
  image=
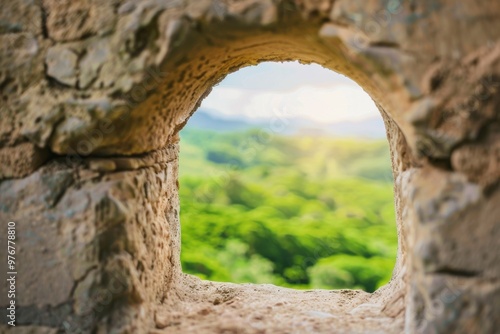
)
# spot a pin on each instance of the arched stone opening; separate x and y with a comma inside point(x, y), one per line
point(208, 298)
point(89, 148)
point(298, 43)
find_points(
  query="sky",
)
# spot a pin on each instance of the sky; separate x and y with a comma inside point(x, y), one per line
point(290, 90)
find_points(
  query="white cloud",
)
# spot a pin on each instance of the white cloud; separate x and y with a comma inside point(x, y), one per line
point(289, 89)
point(326, 104)
point(225, 101)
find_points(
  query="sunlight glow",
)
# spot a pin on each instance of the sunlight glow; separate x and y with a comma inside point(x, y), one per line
point(325, 98)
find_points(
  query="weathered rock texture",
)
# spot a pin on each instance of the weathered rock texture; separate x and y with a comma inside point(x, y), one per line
point(94, 93)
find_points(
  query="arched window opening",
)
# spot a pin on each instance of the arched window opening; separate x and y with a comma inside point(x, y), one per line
point(285, 178)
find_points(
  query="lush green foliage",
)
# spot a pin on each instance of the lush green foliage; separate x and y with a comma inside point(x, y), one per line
point(294, 211)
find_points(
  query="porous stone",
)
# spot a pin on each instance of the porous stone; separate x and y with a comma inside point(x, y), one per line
point(61, 65)
point(94, 94)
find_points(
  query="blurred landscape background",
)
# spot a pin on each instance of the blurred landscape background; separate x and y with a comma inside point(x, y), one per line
point(285, 198)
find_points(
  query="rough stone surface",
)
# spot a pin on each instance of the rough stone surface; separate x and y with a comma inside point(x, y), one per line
point(92, 97)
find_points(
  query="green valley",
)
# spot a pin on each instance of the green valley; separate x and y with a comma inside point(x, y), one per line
point(296, 211)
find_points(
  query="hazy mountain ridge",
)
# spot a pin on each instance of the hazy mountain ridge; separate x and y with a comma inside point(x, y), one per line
point(367, 128)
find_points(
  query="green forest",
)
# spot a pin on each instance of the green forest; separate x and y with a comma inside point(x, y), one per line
point(296, 211)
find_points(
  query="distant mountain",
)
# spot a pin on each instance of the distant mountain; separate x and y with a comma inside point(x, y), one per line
point(202, 119)
point(372, 128)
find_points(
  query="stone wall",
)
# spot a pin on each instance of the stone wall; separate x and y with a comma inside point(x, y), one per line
point(94, 93)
